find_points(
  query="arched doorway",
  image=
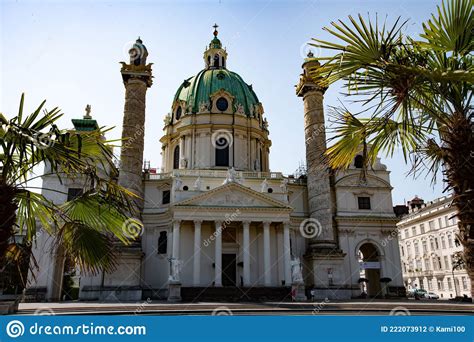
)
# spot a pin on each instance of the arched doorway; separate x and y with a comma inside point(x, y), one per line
point(369, 258)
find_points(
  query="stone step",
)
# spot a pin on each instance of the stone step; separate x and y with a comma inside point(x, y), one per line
point(235, 294)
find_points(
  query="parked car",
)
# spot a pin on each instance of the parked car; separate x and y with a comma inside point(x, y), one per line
point(431, 295)
point(416, 293)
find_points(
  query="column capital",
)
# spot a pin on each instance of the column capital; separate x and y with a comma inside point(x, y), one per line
point(176, 221)
point(246, 223)
point(266, 223)
point(197, 222)
point(218, 223)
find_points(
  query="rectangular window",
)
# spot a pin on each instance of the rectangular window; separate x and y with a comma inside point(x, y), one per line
point(464, 283)
point(364, 202)
point(435, 264)
point(73, 193)
point(425, 246)
point(440, 285)
point(443, 242)
point(417, 250)
point(413, 231)
point(430, 285)
point(450, 284)
point(427, 264)
point(406, 233)
point(422, 228)
point(440, 267)
point(418, 265)
point(440, 222)
point(166, 197)
point(436, 243)
point(432, 244)
point(446, 221)
point(446, 262)
point(432, 225)
point(402, 250)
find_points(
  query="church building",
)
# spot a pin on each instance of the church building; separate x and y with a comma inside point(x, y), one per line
point(219, 224)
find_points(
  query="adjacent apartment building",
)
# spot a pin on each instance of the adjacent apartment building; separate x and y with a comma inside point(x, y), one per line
point(428, 247)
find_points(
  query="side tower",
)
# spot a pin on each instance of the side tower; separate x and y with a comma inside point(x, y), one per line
point(137, 78)
point(325, 259)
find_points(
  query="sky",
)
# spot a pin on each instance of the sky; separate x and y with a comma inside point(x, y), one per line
point(68, 52)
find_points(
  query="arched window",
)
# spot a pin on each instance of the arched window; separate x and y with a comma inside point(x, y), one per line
point(261, 160)
point(179, 110)
point(222, 152)
point(216, 61)
point(176, 158)
point(208, 60)
point(359, 161)
point(223, 62)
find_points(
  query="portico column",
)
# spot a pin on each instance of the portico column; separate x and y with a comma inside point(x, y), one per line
point(246, 252)
point(218, 256)
point(287, 253)
point(176, 226)
point(266, 254)
point(197, 253)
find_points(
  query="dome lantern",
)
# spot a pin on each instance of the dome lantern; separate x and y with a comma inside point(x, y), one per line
point(215, 56)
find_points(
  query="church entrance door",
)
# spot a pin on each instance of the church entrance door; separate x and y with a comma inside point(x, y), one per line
point(229, 269)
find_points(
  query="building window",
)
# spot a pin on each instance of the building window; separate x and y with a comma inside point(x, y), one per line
point(440, 267)
point(440, 285)
point(436, 243)
point(222, 104)
point(176, 158)
point(435, 264)
point(430, 285)
point(440, 225)
point(364, 202)
point(443, 242)
point(165, 197)
point(450, 284)
point(402, 250)
point(446, 262)
point(413, 231)
point(359, 161)
point(163, 243)
point(73, 193)
point(427, 264)
point(450, 241)
point(406, 233)
point(417, 250)
point(431, 224)
point(179, 110)
point(422, 228)
point(425, 246)
point(446, 221)
point(222, 152)
point(432, 244)
point(464, 283)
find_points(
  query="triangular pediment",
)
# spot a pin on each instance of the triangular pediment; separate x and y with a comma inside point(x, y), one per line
point(233, 195)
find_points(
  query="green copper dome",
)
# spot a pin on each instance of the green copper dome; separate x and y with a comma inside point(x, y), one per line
point(196, 91)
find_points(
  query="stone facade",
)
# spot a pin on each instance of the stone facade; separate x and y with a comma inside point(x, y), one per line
point(215, 216)
point(428, 249)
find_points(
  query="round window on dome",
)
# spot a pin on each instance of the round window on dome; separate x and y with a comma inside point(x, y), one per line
point(222, 104)
point(178, 113)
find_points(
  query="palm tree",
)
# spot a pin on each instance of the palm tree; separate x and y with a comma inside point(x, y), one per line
point(416, 94)
point(85, 228)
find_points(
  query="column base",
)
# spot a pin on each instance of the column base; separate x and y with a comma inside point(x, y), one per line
point(328, 278)
point(298, 292)
point(174, 291)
